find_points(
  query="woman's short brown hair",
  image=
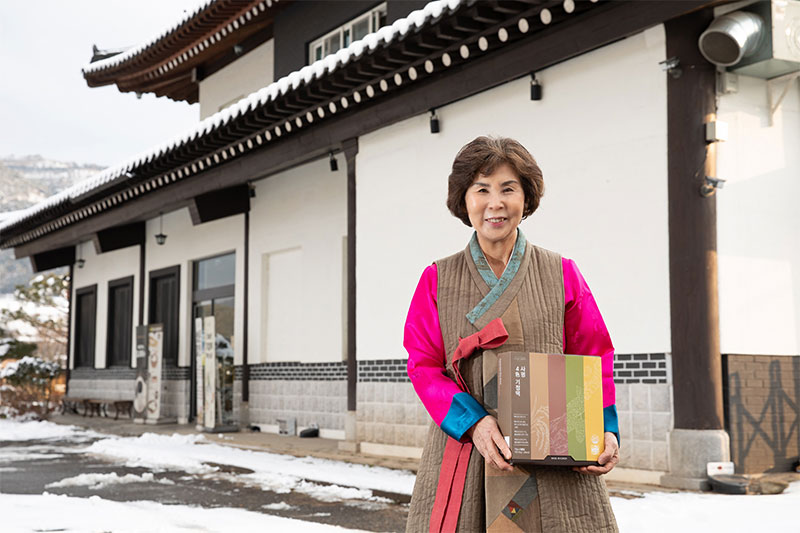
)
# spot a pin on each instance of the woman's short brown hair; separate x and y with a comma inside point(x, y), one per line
point(482, 156)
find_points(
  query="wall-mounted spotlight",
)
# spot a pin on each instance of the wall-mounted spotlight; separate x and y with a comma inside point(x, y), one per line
point(434, 122)
point(672, 67)
point(536, 88)
point(238, 49)
point(710, 186)
point(81, 261)
point(161, 238)
point(334, 163)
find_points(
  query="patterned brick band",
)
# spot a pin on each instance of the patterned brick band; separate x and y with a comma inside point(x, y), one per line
point(641, 368)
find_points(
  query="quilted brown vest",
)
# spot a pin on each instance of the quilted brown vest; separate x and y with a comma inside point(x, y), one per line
point(532, 310)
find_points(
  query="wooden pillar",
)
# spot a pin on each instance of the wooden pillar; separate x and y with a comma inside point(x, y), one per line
point(691, 101)
point(246, 307)
point(69, 329)
point(350, 148)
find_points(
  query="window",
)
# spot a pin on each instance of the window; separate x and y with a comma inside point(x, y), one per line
point(346, 34)
point(164, 304)
point(85, 318)
point(120, 322)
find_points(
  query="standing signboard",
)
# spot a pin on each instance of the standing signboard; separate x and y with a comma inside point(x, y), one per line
point(155, 342)
point(140, 386)
point(209, 373)
point(199, 353)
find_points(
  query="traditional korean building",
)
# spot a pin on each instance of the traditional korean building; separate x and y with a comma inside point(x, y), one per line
point(303, 207)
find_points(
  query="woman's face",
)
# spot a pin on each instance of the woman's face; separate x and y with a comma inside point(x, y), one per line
point(495, 204)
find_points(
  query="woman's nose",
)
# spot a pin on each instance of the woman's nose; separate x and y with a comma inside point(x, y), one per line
point(495, 199)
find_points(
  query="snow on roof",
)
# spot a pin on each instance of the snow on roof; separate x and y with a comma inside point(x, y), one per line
point(383, 36)
point(133, 51)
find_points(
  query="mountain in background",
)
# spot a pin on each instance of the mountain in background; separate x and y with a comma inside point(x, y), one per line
point(25, 181)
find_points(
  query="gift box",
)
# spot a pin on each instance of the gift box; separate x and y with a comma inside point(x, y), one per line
point(550, 408)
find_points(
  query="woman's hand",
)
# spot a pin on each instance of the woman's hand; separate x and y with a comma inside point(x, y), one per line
point(608, 459)
point(486, 437)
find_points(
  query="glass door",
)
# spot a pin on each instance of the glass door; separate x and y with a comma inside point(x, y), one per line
point(213, 369)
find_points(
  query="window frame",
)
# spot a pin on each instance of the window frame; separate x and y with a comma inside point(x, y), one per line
point(90, 361)
point(153, 275)
point(111, 323)
point(373, 15)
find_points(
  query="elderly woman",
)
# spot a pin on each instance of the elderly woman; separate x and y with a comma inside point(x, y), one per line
point(546, 307)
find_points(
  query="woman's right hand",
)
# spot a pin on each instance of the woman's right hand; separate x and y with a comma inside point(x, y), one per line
point(486, 437)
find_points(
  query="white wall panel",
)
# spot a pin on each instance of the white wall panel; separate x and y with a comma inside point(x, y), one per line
point(247, 74)
point(101, 269)
point(758, 238)
point(297, 222)
point(599, 136)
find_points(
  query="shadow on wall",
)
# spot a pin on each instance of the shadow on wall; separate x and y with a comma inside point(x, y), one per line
point(762, 412)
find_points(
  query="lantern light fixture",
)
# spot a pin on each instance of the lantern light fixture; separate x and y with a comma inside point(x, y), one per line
point(160, 237)
point(434, 122)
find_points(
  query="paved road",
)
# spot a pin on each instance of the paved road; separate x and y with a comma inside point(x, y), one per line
point(27, 467)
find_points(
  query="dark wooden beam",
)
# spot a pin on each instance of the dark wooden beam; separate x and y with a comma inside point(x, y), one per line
point(597, 27)
point(118, 237)
point(350, 148)
point(70, 300)
point(220, 203)
point(246, 313)
point(694, 310)
point(49, 259)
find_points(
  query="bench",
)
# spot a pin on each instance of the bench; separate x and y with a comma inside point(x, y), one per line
point(92, 406)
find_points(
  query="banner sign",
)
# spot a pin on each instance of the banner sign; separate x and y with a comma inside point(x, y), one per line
point(209, 372)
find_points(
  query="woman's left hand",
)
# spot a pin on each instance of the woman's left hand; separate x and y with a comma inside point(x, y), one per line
point(608, 459)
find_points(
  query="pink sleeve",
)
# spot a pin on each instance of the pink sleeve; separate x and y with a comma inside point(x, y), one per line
point(585, 332)
point(426, 357)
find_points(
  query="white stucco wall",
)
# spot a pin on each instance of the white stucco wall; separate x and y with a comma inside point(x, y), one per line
point(599, 135)
point(298, 222)
point(101, 269)
point(758, 238)
point(247, 74)
point(186, 244)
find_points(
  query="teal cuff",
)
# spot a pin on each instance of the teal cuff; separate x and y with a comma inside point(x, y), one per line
point(611, 421)
point(463, 413)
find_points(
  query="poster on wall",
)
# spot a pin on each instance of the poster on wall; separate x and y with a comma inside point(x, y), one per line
point(140, 385)
point(199, 358)
point(155, 341)
point(209, 373)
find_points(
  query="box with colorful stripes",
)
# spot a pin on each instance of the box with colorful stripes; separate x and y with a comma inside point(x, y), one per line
point(550, 407)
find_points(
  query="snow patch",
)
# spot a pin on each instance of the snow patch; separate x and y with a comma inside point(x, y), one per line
point(687, 512)
point(279, 473)
point(101, 481)
point(50, 512)
point(280, 506)
point(27, 430)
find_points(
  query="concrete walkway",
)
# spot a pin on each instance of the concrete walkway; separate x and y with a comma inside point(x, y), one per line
point(261, 441)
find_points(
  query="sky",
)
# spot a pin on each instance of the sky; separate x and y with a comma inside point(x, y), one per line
point(47, 108)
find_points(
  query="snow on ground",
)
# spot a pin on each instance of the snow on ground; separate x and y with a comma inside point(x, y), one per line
point(276, 472)
point(101, 481)
point(49, 512)
point(26, 430)
point(689, 512)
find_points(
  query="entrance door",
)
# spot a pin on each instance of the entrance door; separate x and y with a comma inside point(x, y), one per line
point(213, 295)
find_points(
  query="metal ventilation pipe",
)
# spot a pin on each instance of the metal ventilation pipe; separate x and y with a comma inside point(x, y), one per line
point(732, 37)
